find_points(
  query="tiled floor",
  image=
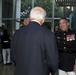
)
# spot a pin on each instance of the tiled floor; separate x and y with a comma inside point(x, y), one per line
point(6, 69)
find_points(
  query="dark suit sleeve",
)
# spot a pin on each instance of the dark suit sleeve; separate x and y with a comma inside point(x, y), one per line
point(51, 52)
point(13, 48)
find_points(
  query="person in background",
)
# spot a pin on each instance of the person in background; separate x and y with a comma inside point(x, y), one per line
point(66, 41)
point(56, 29)
point(26, 21)
point(1, 33)
point(33, 47)
point(5, 41)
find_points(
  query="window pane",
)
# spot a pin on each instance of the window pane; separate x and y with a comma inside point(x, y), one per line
point(46, 4)
point(25, 8)
point(7, 8)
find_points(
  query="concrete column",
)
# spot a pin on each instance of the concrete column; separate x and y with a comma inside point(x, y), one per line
point(33, 1)
point(0, 13)
point(13, 16)
point(18, 9)
point(53, 11)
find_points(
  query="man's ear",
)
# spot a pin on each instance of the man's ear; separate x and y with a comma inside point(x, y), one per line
point(43, 20)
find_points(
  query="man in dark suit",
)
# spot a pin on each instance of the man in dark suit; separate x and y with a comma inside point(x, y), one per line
point(33, 47)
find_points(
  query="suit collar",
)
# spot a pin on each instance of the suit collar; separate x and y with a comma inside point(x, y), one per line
point(34, 23)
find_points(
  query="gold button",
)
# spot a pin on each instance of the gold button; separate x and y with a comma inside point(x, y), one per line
point(64, 42)
point(58, 37)
point(64, 47)
point(64, 33)
point(64, 38)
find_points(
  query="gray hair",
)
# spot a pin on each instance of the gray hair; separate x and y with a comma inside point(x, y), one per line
point(38, 13)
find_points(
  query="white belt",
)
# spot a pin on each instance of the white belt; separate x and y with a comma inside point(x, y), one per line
point(5, 41)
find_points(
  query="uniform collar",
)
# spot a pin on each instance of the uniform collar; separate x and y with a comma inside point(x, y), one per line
point(67, 30)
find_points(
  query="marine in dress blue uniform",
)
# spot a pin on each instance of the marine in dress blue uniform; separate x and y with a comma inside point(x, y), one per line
point(66, 41)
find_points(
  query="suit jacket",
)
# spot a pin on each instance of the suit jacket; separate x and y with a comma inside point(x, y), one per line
point(34, 50)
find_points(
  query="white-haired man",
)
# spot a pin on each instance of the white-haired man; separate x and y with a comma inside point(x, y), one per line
point(33, 47)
